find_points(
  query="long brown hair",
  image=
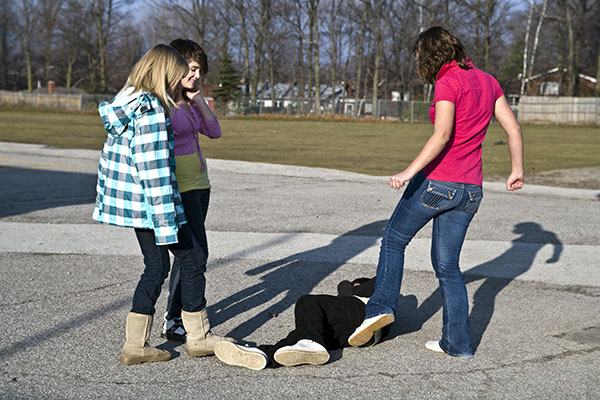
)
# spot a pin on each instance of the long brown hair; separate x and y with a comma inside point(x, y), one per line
point(436, 47)
point(160, 69)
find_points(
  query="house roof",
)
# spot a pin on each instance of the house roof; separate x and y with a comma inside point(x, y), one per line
point(288, 91)
point(556, 69)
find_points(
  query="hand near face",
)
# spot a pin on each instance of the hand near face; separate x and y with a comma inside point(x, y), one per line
point(190, 94)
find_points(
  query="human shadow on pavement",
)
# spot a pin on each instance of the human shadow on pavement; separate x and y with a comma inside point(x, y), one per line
point(496, 275)
point(25, 190)
point(285, 280)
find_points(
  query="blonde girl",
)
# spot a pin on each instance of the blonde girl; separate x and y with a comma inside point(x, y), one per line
point(137, 189)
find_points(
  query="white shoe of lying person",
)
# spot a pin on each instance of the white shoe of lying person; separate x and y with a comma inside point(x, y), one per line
point(241, 356)
point(306, 351)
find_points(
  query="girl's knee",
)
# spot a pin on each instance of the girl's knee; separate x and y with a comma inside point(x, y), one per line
point(394, 239)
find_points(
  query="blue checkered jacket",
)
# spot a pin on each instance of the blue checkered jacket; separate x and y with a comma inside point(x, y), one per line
point(136, 175)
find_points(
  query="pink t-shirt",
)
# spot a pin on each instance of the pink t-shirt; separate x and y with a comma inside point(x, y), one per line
point(474, 94)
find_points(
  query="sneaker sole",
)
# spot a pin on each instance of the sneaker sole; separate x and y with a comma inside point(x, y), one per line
point(231, 354)
point(359, 338)
point(293, 357)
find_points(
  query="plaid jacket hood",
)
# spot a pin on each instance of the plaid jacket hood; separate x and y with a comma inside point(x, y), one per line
point(136, 174)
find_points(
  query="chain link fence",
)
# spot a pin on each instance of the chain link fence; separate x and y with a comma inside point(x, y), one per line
point(63, 101)
point(402, 111)
point(554, 110)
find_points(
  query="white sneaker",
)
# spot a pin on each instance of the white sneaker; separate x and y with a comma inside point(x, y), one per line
point(365, 331)
point(241, 356)
point(306, 351)
point(434, 346)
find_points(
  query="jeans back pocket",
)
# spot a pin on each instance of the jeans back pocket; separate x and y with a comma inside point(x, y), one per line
point(437, 197)
point(473, 200)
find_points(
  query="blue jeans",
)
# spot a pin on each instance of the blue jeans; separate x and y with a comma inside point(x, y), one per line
point(452, 207)
point(156, 260)
point(195, 203)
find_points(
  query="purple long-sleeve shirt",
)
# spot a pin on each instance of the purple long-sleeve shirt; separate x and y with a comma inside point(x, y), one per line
point(186, 127)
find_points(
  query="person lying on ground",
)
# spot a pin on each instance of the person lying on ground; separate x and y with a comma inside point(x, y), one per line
point(323, 323)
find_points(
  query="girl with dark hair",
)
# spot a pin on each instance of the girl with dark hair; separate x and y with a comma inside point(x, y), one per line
point(192, 117)
point(444, 185)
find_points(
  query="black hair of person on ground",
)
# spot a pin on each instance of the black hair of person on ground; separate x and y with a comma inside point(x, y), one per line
point(323, 322)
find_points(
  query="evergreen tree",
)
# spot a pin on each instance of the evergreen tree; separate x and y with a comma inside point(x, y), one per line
point(227, 79)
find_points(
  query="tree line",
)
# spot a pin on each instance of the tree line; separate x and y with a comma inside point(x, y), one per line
point(364, 45)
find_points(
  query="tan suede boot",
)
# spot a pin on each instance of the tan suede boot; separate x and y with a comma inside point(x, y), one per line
point(200, 340)
point(137, 333)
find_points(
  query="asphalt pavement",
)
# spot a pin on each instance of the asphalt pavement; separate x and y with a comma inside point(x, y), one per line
point(275, 233)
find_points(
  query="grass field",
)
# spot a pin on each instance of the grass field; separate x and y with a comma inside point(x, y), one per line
point(366, 147)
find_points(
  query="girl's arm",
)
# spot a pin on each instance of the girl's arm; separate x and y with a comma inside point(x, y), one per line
point(151, 156)
point(509, 123)
point(442, 130)
point(212, 128)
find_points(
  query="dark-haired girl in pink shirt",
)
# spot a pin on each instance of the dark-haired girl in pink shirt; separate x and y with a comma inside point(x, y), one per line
point(444, 185)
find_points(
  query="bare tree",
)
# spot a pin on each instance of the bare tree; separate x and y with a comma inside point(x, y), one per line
point(536, 38)
point(314, 17)
point(585, 32)
point(199, 16)
point(242, 28)
point(486, 19)
point(294, 21)
point(426, 10)
point(488, 15)
point(6, 26)
point(403, 30)
point(561, 49)
point(345, 51)
point(367, 42)
point(364, 14)
point(191, 15)
point(379, 8)
point(259, 24)
point(571, 70)
point(89, 45)
point(27, 17)
point(126, 49)
point(312, 11)
point(334, 34)
point(293, 17)
point(49, 10)
point(525, 48)
point(269, 38)
point(70, 27)
point(102, 12)
point(224, 22)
